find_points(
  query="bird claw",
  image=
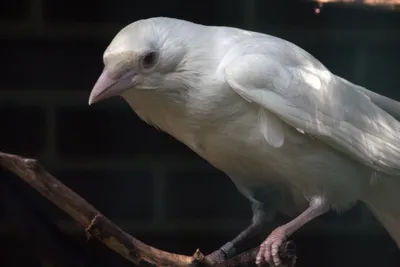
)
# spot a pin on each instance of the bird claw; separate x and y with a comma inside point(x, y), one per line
point(269, 249)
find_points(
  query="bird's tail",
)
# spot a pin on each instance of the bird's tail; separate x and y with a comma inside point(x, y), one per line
point(389, 221)
point(384, 203)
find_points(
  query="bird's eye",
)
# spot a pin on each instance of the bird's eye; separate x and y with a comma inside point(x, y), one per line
point(149, 60)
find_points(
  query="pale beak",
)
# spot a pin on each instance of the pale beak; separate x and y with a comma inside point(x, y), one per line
point(107, 87)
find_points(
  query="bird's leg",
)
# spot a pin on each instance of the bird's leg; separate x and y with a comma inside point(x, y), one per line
point(270, 247)
point(231, 248)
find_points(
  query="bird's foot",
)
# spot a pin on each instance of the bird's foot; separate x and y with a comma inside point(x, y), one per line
point(216, 257)
point(269, 249)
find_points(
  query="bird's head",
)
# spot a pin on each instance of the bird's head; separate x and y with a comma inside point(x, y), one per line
point(145, 55)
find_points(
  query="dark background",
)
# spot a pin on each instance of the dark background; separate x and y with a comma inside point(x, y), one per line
point(145, 181)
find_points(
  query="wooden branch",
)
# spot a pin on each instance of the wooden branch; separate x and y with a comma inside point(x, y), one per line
point(97, 225)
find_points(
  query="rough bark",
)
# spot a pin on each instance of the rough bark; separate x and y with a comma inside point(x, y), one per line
point(100, 227)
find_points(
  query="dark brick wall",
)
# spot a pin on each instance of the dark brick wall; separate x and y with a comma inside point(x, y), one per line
point(107, 132)
point(14, 9)
point(123, 11)
point(185, 193)
point(27, 124)
point(63, 60)
point(152, 185)
point(291, 13)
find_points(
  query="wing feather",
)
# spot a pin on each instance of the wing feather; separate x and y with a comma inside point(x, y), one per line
point(311, 99)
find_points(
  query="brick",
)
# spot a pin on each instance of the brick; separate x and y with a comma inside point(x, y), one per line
point(302, 14)
point(322, 250)
point(74, 11)
point(10, 256)
point(202, 195)
point(111, 132)
point(14, 9)
point(126, 11)
point(382, 64)
point(278, 13)
point(25, 218)
point(30, 197)
point(352, 16)
point(22, 129)
point(53, 65)
point(116, 194)
point(126, 195)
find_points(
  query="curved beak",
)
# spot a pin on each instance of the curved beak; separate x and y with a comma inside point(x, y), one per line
point(107, 87)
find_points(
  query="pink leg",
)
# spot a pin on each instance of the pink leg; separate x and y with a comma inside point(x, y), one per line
point(270, 247)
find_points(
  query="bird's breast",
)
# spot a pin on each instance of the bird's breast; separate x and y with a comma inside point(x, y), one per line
point(302, 163)
point(226, 132)
point(236, 145)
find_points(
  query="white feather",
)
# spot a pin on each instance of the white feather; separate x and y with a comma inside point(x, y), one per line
point(271, 128)
point(266, 112)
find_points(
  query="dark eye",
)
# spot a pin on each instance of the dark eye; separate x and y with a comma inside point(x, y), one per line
point(149, 60)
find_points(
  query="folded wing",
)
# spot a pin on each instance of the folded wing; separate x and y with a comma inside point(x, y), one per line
point(312, 99)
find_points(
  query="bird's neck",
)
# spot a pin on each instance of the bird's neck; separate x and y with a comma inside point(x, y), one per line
point(169, 116)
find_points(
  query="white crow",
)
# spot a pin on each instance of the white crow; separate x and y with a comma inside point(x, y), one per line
point(293, 137)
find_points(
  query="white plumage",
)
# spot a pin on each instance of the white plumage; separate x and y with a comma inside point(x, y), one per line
point(265, 112)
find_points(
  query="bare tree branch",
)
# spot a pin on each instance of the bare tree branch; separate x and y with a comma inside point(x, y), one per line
point(97, 225)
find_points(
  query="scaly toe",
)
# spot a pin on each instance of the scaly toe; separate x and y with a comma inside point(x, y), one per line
point(260, 255)
point(275, 254)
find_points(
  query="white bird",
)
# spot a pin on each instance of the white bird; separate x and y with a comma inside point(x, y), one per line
point(293, 137)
